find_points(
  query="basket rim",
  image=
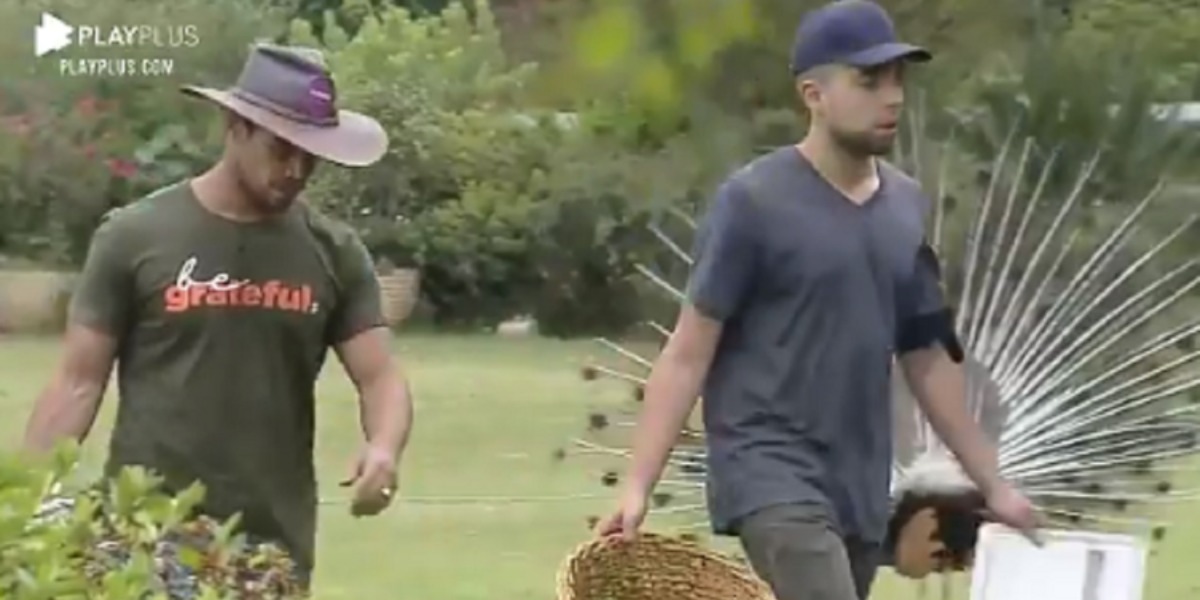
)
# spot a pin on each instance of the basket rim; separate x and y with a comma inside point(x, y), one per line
point(674, 542)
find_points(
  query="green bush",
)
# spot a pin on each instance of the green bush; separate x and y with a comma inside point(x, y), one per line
point(450, 197)
point(478, 185)
point(121, 541)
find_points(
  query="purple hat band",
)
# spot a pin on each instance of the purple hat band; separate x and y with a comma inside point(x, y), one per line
point(290, 85)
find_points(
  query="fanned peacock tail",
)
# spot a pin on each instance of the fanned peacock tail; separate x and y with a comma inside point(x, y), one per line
point(1081, 354)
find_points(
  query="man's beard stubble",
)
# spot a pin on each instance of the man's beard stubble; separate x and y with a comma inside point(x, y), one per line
point(863, 145)
point(265, 202)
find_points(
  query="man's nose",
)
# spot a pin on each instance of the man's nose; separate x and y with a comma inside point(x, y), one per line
point(893, 95)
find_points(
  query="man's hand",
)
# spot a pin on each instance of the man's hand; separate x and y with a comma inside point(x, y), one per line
point(385, 409)
point(625, 521)
point(1008, 506)
point(671, 393)
point(374, 481)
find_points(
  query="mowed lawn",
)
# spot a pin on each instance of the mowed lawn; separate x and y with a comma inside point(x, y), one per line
point(487, 513)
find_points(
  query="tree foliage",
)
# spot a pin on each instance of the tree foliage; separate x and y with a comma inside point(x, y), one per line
point(1158, 34)
point(451, 194)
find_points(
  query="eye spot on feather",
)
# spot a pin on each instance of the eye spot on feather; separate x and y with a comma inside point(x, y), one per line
point(597, 421)
point(1069, 480)
point(949, 203)
point(589, 373)
point(1159, 533)
point(609, 479)
point(639, 394)
point(661, 499)
point(1094, 488)
point(1163, 487)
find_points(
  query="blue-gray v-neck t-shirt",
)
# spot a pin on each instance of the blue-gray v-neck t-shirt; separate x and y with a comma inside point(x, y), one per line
point(812, 289)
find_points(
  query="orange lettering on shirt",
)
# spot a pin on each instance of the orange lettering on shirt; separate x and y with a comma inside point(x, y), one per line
point(218, 298)
point(196, 297)
point(271, 294)
point(188, 293)
point(175, 299)
point(289, 299)
point(306, 298)
point(252, 295)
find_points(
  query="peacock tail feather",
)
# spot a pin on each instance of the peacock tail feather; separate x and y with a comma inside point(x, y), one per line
point(1082, 357)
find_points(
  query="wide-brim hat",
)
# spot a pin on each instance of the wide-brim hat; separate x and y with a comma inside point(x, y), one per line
point(290, 92)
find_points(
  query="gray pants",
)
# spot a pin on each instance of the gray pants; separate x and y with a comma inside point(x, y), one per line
point(797, 551)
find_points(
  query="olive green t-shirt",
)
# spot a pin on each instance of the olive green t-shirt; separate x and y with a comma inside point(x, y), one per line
point(224, 328)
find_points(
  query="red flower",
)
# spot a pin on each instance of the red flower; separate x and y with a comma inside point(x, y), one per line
point(121, 168)
point(87, 105)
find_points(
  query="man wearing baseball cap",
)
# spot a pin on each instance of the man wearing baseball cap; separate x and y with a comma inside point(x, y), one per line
point(811, 276)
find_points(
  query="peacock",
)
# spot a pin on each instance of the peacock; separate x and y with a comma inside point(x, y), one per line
point(1081, 362)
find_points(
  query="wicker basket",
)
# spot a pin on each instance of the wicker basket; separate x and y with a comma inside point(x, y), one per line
point(399, 290)
point(655, 567)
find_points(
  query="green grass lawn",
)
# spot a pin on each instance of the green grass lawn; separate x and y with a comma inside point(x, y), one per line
point(490, 414)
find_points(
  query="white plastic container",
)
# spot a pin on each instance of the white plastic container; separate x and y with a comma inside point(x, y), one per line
point(1071, 565)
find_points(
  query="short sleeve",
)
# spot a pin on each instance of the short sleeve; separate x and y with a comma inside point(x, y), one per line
point(926, 317)
point(926, 295)
point(358, 307)
point(725, 254)
point(103, 294)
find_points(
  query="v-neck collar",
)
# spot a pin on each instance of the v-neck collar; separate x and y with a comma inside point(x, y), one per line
point(871, 200)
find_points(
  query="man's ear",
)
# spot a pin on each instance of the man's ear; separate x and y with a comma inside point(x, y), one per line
point(809, 84)
point(237, 125)
point(807, 91)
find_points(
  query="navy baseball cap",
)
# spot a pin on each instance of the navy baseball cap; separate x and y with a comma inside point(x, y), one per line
point(857, 33)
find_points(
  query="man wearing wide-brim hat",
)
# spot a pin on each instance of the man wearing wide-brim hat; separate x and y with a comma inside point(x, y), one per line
point(217, 297)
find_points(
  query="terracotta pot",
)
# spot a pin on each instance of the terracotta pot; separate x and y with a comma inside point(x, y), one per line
point(399, 290)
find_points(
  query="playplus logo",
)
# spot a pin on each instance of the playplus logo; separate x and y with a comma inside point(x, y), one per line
point(53, 34)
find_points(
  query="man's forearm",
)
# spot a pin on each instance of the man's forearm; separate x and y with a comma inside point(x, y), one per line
point(65, 410)
point(386, 412)
point(939, 385)
point(670, 395)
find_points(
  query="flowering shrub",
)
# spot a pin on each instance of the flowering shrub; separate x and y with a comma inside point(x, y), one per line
point(73, 147)
point(59, 168)
point(125, 541)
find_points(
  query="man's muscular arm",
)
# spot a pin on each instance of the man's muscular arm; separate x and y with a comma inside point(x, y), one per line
point(67, 407)
point(361, 338)
point(98, 317)
point(385, 402)
point(362, 341)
